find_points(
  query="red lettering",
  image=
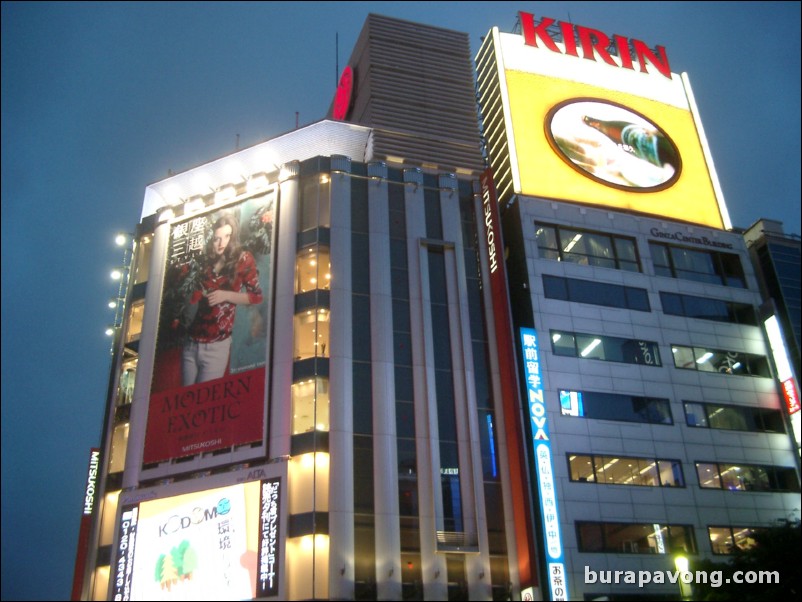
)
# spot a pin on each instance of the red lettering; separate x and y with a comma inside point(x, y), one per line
point(568, 38)
point(594, 43)
point(644, 53)
point(622, 44)
point(592, 39)
point(532, 32)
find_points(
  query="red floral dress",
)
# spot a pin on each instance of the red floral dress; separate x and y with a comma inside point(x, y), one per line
point(212, 324)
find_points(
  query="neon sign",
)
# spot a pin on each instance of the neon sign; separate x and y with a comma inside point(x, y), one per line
point(558, 581)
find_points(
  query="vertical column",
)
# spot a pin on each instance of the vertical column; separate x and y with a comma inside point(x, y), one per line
point(341, 449)
point(470, 461)
point(385, 457)
point(280, 403)
point(147, 352)
point(433, 566)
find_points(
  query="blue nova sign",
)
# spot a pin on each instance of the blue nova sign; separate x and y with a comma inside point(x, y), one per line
point(558, 580)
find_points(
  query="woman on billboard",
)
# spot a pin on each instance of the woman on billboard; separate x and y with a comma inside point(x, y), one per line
point(229, 277)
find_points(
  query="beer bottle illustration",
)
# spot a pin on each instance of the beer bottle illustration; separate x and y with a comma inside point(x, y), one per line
point(642, 142)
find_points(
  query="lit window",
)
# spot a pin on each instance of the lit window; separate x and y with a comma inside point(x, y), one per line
point(310, 405)
point(312, 270)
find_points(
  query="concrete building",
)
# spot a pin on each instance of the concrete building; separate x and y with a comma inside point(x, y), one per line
point(656, 425)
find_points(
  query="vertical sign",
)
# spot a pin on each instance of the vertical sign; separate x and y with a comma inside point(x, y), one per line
point(269, 516)
point(489, 225)
point(86, 523)
point(785, 375)
point(124, 566)
point(558, 580)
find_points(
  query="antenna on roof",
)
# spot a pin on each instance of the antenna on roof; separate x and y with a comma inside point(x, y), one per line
point(296, 120)
point(336, 58)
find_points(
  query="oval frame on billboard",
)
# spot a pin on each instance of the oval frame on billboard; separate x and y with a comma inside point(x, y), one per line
point(613, 145)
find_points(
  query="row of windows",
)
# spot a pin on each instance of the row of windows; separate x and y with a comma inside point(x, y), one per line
point(614, 406)
point(724, 540)
point(596, 293)
point(628, 297)
point(733, 418)
point(614, 470)
point(653, 410)
point(634, 538)
point(647, 353)
point(708, 309)
point(599, 249)
point(721, 361)
point(746, 477)
point(651, 538)
point(711, 267)
point(606, 348)
point(587, 248)
point(651, 472)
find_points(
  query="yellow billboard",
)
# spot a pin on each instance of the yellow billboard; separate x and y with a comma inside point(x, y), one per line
point(595, 133)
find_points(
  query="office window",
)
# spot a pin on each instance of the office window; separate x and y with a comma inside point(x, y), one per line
point(614, 406)
point(596, 293)
point(615, 470)
point(686, 263)
point(717, 360)
point(724, 540)
point(733, 418)
point(746, 477)
point(609, 349)
point(703, 308)
point(587, 248)
point(635, 538)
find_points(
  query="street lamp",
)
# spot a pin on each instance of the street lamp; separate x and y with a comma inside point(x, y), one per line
point(685, 589)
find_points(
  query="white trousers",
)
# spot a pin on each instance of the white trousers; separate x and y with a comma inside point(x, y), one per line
point(204, 361)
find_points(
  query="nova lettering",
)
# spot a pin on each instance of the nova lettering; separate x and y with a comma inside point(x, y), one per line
point(537, 411)
point(594, 44)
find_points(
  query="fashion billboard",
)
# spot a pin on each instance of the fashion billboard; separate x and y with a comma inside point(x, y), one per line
point(217, 544)
point(208, 387)
point(602, 121)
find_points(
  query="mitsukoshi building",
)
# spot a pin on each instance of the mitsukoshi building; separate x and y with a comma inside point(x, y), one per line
point(425, 349)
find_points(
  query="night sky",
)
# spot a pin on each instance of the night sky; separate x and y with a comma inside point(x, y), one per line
point(99, 100)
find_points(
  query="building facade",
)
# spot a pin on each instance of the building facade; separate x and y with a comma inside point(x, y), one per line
point(656, 428)
point(352, 445)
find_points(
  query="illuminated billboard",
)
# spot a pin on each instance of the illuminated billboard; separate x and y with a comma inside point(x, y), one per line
point(208, 387)
point(217, 544)
point(584, 123)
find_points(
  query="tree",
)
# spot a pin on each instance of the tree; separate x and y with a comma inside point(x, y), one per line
point(774, 557)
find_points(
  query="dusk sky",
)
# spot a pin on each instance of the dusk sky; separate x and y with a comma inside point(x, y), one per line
point(101, 99)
